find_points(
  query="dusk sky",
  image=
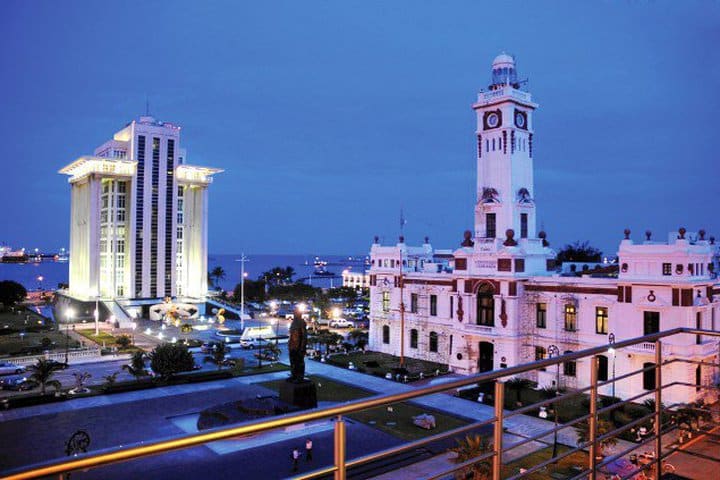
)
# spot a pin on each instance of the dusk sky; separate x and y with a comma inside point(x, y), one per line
point(327, 117)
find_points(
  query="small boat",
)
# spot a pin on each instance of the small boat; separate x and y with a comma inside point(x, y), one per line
point(321, 268)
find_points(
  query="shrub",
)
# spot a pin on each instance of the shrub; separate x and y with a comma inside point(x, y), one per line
point(123, 341)
point(168, 359)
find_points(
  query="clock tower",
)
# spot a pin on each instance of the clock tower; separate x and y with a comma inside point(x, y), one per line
point(505, 190)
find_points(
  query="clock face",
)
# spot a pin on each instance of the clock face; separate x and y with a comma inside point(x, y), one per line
point(520, 119)
point(493, 120)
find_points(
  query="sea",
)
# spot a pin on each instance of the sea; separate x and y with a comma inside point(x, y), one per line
point(48, 274)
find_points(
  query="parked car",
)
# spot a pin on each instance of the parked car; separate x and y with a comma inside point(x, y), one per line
point(208, 347)
point(7, 368)
point(340, 323)
point(58, 365)
point(16, 383)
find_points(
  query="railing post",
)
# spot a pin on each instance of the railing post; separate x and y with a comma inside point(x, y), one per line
point(592, 421)
point(498, 429)
point(658, 408)
point(339, 448)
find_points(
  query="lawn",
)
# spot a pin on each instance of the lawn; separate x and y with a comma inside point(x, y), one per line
point(567, 467)
point(327, 390)
point(106, 340)
point(379, 364)
point(23, 332)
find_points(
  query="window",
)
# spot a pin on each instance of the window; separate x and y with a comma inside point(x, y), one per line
point(698, 325)
point(651, 322)
point(385, 302)
point(386, 334)
point(433, 342)
point(413, 303)
point(601, 320)
point(667, 269)
point(452, 306)
point(569, 368)
point(541, 315)
point(413, 338)
point(493, 144)
point(523, 225)
point(649, 376)
point(433, 305)
point(570, 317)
point(487, 145)
point(602, 375)
point(489, 225)
point(485, 305)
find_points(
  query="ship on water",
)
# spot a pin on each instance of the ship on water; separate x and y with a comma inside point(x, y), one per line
point(8, 255)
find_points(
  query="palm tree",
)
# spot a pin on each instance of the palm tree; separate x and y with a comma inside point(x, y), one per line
point(42, 373)
point(359, 337)
point(272, 350)
point(136, 368)
point(467, 449)
point(218, 273)
point(217, 356)
point(603, 426)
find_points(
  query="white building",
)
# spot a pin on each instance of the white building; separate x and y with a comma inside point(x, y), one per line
point(138, 222)
point(498, 301)
point(355, 279)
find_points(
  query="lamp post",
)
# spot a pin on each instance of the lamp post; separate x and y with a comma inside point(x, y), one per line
point(553, 352)
point(69, 313)
point(611, 351)
point(242, 261)
point(40, 279)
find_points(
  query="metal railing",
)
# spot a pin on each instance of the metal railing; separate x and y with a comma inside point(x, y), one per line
point(341, 465)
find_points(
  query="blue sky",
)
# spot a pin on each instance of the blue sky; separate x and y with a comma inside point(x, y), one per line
point(330, 116)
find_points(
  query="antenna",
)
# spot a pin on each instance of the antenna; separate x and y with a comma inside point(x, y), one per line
point(147, 106)
point(402, 221)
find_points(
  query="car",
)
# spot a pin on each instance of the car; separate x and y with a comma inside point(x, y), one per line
point(7, 368)
point(58, 365)
point(208, 347)
point(341, 323)
point(17, 383)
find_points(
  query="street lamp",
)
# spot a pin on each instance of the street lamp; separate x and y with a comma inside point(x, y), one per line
point(553, 352)
point(40, 279)
point(611, 351)
point(242, 261)
point(69, 313)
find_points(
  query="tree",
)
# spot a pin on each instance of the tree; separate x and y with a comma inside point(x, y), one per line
point(272, 350)
point(278, 276)
point(80, 379)
point(579, 252)
point(11, 292)
point(467, 449)
point(110, 379)
point(42, 373)
point(359, 337)
point(136, 368)
point(218, 274)
point(603, 426)
point(170, 358)
point(517, 385)
point(329, 338)
point(123, 341)
point(217, 356)
point(254, 291)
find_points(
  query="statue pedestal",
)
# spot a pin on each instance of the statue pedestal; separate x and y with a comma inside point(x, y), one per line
point(302, 394)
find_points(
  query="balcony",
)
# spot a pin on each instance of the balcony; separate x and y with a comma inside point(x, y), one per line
point(481, 329)
point(658, 446)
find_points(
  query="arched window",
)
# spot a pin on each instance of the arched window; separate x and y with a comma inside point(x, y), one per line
point(485, 305)
point(413, 338)
point(386, 334)
point(433, 341)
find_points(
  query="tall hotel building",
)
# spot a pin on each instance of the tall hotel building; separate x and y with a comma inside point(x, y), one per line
point(138, 222)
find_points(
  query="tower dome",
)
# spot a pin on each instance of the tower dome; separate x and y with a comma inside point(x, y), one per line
point(503, 72)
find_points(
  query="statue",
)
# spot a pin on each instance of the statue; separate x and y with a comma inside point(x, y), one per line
point(297, 344)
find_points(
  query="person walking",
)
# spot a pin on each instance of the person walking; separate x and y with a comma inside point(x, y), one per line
point(295, 458)
point(308, 450)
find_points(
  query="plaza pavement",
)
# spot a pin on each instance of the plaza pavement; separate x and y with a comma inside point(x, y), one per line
point(517, 427)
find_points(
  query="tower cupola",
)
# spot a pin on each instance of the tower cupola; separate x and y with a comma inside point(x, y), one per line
point(504, 72)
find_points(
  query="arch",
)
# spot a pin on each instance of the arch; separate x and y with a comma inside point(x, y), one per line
point(433, 346)
point(386, 334)
point(485, 308)
point(413, 338)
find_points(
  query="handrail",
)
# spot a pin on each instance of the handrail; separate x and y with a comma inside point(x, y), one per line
point(119, 454)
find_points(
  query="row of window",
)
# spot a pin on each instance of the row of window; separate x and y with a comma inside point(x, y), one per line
point(491, 225)
point(570, 317)
point(692, 268)
point(139, 205)
point(518, 144)
point(432, 338)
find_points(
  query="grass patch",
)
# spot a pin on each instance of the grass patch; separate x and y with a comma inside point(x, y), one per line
point(24, 332)
point(254, 370)
point(327, 390)
point(376, 363)
point(564, 468)
point(106, 340)
point(399, 421)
